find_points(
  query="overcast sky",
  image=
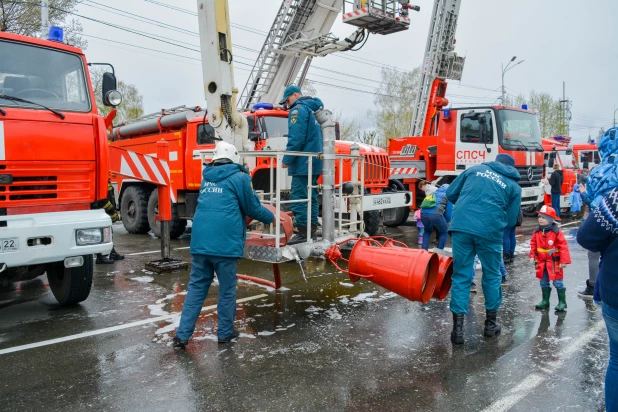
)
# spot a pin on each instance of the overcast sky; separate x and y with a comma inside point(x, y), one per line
point(566, 40)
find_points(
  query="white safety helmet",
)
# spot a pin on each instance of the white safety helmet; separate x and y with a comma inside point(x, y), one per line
point(225, 150)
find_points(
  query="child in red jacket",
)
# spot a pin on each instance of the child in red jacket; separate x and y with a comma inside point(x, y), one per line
point(550, 253)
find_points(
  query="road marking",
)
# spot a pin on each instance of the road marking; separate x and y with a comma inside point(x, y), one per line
point(144, 253)
point(111, 329)
point(183, 248)
point(530, 382)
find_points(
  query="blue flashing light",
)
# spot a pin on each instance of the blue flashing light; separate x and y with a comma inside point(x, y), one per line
point(524, 106)
point(262, 105)
point(56, 34)
point(446, 113)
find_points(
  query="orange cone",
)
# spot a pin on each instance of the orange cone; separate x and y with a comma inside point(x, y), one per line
point(411, 273)
point(445, 272)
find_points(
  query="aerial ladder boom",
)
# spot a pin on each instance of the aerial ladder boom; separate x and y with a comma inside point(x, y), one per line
point(439, 63)
point(218, 73)
point(302, 30)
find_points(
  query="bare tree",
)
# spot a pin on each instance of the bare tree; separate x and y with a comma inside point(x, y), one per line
point(308, 89)
point(394, 102)
point(132, 105)
point(24, 17)
point(370, 137)
point(348, 128)
point(548, 109)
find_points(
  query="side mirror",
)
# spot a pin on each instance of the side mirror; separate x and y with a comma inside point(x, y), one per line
point(253, 136)
point(111, 96)
point(569, 152)
point(337, 131)
point(483, 129)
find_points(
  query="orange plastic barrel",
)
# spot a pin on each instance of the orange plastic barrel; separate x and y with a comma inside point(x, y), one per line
point(445, 272)
point(411, 273)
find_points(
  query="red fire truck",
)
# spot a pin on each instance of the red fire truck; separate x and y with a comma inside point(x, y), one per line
point(558, 151)
point(460, 138)
point(446, 141)
point(189, 134)
point(53, 165)
point(586, 155)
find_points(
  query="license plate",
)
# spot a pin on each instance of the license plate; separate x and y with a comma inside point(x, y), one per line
point(529, 193)
point(6, 179)
point(9, 245)
point(381, 201)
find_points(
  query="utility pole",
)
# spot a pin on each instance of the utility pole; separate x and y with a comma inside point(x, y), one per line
point(615, 110)
point(565, 112)
point(44, 18)
point(504, 70)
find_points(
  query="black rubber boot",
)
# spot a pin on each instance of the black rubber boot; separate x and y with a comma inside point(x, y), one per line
point(300, 237)
point(588, 292)
point(103, 260)
point(314, 231)
point(506, 257)
point(491, 327)
point(178, 343)
point(115, 255)
point(457, 335)
point(228, 339)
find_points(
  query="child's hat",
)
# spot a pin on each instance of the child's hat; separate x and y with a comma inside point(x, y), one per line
point(549, 213)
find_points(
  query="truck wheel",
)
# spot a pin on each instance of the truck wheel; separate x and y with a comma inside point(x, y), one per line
point(70, 286)
point(178, 225)
point(402, 213)
point(531, 210)
point(134, 209)
point(372, 222)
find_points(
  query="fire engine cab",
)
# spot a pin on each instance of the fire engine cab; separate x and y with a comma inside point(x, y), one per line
point(53, 165)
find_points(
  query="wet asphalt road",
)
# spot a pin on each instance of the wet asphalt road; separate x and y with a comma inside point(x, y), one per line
point(324, 344)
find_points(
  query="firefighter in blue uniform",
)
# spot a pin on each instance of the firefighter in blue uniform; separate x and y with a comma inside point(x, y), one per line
point(218, 240)
point(304, 135)
point(487, 199)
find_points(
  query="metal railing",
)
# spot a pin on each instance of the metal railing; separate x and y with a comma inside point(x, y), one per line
point(345, 203)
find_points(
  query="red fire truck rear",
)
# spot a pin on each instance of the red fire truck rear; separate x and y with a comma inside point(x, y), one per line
point(189, 134)
point(53, 166)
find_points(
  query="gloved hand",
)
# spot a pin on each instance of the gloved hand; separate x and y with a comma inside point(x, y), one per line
point(562, 265)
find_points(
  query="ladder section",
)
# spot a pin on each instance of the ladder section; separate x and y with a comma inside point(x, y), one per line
point(291, 18)
point(439, 60)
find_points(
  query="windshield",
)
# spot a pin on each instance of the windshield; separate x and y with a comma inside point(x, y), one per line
point(275, 126)
point(519, 129)
point(49, 77)
point(567, 160)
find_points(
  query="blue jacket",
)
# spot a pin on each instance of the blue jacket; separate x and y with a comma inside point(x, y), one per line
point(603, 178)
point(226, 197)
point(487, 199)
point(599, 233)
point(446, 209)
point(576, 199)
point(304, 135)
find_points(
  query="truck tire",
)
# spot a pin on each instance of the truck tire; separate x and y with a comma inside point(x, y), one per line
point(531, 210)
point(372, 222)
point(178, 226)
point(402, 213)
point(70, 286)
point(134, 209)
